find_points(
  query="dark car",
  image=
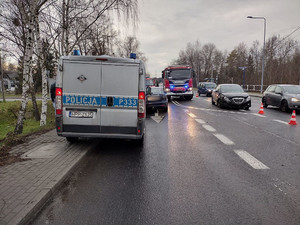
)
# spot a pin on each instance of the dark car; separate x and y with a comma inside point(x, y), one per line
point(156, 98)
point(231, 96)
point(284, 96)
point(206, 88)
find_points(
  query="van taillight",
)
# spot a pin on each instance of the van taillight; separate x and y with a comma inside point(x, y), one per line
point(58, 101)
point(141, 105)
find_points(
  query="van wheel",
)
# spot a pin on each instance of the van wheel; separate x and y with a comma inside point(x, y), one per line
point(169, 98)
point(140, 142)
point(72, 139)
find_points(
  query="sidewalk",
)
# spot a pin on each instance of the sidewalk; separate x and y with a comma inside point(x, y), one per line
point(26, 186)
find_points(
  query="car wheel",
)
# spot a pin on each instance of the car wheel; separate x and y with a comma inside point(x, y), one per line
point(219, 104)
point(264, 103)
point(247, 108)
point(284, 106)
point(212, 101)
point(72, 139)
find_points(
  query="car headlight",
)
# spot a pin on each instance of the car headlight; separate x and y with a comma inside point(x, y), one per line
point(248, 99)
point(190, 89)
point(295, 99)
point(167, 90)
point(226, 99)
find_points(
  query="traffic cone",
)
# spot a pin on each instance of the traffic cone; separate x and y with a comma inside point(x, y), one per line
point(293, 119)
point(261, 110)
point(197, 94)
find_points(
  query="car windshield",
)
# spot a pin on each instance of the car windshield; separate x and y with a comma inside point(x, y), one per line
point(211, 86)
point(231, 89)
point(291, 89)
point(156, 91)
point(180, 74)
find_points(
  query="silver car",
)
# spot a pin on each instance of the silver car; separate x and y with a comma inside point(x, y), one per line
point(284, 96)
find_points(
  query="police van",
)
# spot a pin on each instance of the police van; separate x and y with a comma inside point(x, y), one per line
point(100, 96)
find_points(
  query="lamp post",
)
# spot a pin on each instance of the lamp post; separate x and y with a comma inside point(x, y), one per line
point(243, 69)
point(263, 52)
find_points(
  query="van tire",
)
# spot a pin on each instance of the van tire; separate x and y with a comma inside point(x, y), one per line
point(72, 140)
point(140, 142)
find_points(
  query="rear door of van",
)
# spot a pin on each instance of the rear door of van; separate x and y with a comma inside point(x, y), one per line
point(81, 97)
point(119, 93)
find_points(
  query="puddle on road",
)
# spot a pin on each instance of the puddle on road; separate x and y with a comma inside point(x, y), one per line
point(48, 150)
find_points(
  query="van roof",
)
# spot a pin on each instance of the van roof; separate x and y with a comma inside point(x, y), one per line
point(103, 58)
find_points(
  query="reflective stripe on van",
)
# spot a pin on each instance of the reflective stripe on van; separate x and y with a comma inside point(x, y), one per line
point(103, 101)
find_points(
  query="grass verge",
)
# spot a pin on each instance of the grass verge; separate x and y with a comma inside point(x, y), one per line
point(8, 117)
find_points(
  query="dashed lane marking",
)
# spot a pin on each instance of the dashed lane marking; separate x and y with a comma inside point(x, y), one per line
point(192, 115)
point(251, 160)
point(209, 128)
point(224, 139)
point(200, 121)
point(280, 121)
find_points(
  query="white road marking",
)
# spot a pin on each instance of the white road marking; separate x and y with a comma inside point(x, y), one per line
point(224, 139)
point(200, 121)
point(280, 121)
point(192, 115)
point(252, 161)
point(209, 128)
point(256, 114)
point(186, 110)
point(176, 103)
point(157, 118)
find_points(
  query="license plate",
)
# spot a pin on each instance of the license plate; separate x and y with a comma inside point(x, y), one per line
point(81, 114)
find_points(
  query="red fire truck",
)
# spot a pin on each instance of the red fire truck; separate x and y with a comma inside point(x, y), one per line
point(178, 81)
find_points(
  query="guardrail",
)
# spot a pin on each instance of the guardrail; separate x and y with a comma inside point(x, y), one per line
point(254, 88)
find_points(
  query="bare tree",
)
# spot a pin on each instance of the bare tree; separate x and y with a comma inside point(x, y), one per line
point(130, 45)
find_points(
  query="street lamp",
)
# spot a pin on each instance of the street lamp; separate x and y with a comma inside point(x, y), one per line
point(243, 69)
point(263, 52)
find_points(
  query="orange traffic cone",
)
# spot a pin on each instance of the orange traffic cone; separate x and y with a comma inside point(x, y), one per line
point(261, 110)
point(293, 119)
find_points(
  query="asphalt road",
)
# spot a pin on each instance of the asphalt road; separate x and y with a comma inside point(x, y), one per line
point(199, 165)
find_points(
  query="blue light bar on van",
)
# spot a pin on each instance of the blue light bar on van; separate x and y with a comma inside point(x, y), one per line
point(171, 86)
point(132, 55)
point(76, 52)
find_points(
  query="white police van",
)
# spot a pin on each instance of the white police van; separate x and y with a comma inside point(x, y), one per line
point(100, 96)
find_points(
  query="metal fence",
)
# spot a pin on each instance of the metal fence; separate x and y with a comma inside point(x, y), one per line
point(254, 88)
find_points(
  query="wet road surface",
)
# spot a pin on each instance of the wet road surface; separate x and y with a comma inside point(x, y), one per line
point(199, 165)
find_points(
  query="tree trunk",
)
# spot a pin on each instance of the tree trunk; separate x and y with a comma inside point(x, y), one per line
point(26, 74)
point(44, 98)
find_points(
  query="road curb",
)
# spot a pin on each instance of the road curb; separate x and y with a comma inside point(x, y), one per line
point(26, 186)
point(45, 196)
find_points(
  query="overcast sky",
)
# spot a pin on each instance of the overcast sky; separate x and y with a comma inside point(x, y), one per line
point(166, 26)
